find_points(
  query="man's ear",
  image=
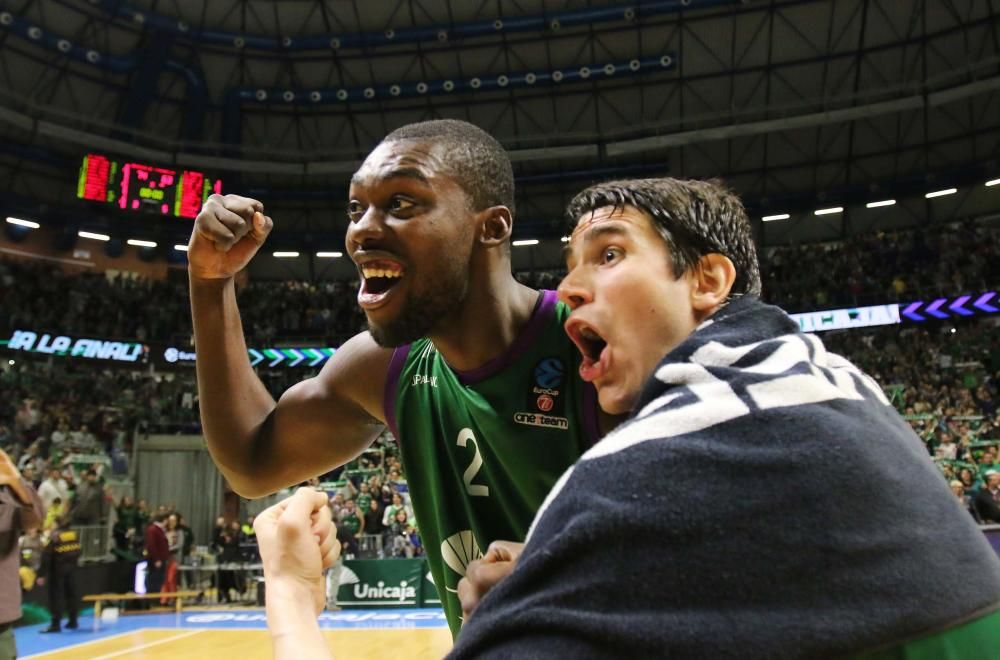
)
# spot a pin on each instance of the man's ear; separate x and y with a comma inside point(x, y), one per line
point(496, 224)
point(712, 279)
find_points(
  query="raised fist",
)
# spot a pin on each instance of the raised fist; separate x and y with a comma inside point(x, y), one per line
point(227, 233)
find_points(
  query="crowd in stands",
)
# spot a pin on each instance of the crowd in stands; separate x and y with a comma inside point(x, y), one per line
point(370, 502)
point(866, 269)
point(944, 380)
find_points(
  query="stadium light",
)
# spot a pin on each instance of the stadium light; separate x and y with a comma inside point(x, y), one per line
point(141, 243)
point(329, 255)
point(829, 211)
point(30, 224)
point(992, 182)
point(941, 193)
point(884, 202)
point(286, 255)
point(772, 218)
point(92, 235)
point(181, 248)
point(525, 242)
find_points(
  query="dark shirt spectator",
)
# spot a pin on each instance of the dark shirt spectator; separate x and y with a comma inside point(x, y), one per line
point(89, 506)
point(987, 501)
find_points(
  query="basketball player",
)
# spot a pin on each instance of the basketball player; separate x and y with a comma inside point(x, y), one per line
point(762, 501)
point(471, 370)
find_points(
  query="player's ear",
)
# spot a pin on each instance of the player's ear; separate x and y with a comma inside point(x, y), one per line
point(495, 226)
point(712, 279)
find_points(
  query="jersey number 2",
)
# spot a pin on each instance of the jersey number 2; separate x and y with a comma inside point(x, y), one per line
point(464, 437)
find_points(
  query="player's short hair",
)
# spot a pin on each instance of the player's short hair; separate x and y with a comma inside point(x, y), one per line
point(694, 218)
point(474, 158)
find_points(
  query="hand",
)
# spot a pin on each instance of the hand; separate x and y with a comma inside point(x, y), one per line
point(297, 542)
point(483, 574)
point(227, 233)
point(9, 474)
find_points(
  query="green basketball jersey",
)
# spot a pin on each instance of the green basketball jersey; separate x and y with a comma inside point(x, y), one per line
point(481, 449)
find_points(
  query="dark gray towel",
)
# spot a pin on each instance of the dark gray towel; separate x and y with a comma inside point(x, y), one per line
point(765, 501)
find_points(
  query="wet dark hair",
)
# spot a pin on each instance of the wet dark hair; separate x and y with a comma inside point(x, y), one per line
point(694, 218)
point(473, 157)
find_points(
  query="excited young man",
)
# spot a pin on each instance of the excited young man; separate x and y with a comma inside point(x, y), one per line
point(763, 499)
point(470, 369)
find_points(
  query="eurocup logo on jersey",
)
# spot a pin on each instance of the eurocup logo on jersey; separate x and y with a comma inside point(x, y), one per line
point(546, 407)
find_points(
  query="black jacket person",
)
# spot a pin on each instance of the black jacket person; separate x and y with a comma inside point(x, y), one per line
point(59, 569)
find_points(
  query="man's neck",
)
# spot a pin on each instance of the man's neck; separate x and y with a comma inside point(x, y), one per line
point(492, 317)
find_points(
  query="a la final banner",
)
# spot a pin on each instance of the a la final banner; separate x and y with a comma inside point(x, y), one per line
point(110, 350)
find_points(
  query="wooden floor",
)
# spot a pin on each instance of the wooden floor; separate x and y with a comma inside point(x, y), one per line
point(177, 644)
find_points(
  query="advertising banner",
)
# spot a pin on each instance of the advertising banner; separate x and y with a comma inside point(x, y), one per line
point(382, 583)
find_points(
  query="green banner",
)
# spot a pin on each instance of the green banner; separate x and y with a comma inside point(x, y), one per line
point(383, 583)
point(428, 591)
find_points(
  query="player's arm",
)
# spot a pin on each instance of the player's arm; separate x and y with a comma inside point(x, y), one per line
point(261, 445)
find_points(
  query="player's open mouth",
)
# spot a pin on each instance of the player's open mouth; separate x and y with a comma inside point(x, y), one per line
point(593, 347)
point(378, 277)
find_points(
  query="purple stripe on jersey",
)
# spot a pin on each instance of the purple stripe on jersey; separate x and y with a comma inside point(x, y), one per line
point(392, 387)
point(544, 309)
point(590, 412)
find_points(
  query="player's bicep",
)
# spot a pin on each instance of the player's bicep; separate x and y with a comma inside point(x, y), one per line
point(325, 421)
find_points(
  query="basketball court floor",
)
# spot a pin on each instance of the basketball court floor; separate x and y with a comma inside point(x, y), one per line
point(352, 634)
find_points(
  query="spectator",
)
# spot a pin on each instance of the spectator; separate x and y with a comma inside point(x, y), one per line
point(391, 510)
point(351, 520)
point(53, 487)
point(157, 553)
point(89, 506)
point(398, 537)
point(987, 500)
point(230, 579)
point(966, 500)
point(52, 515)
point(20, 510)
point(373, 517)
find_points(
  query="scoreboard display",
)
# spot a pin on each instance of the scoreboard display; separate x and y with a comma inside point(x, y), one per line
point(142, 187)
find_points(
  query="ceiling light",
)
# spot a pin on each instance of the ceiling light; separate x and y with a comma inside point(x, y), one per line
point(329, 255)
point(30, 224)
point(829, 211)
point(779, 216)
point(564, 239)
point(941, 193)
point(525, 242)
point(992, 182)
point(96, 237)
point(141, 243)
point(884, 202)
point(181, 248)
point(286, 255)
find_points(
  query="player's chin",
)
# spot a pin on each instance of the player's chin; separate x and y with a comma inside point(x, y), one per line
point(389, 332)
point(615, 399)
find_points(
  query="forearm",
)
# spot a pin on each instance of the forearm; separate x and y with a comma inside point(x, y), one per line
point(292, 622)
point(234, 403)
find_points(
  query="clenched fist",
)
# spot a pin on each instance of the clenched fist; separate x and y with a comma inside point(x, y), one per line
point(227, 233)
point(297, 541)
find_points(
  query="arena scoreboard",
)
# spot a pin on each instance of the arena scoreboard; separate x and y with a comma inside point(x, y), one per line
point(141, 187)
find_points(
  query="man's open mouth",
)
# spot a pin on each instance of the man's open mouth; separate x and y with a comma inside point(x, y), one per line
point(593, 348)
point(591, 344)
point(378, 277)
